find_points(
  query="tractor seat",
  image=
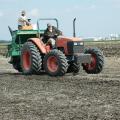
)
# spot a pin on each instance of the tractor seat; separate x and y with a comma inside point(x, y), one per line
point(27, 27)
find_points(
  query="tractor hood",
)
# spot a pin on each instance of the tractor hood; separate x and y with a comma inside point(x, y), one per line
point(63, 38)
point(68, 44)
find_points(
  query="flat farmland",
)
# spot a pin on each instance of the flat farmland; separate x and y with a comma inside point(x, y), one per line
point(80, 97)
point(3, 49)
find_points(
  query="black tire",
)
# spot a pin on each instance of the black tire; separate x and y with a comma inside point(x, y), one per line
point(62, 64)
point(74, 67)
point(34, 59)
point(16, 63)
point(99, 61)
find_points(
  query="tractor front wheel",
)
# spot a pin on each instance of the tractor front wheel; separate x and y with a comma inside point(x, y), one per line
point(97, 61)
point(55, 63)
point(74, 67)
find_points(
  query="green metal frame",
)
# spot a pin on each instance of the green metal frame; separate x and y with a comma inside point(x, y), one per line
point(15, 47)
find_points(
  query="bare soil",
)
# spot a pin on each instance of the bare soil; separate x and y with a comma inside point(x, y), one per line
point(109, 48)
point(80, 97)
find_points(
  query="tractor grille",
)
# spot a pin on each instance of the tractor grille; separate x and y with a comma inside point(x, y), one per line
point(75, 47)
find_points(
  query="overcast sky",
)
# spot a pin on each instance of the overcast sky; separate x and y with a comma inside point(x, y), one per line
point(94, 17)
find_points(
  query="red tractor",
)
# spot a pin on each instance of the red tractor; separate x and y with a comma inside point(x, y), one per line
point(68, 55)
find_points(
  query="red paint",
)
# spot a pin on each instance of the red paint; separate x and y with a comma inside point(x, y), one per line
point(26, 60)
point(52, 64)
point(93, 63)
point(62, 42)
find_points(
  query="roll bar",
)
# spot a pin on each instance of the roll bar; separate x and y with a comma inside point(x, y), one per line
point(45, 19)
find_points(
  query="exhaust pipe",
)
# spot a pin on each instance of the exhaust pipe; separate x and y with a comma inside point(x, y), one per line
point(74, 33)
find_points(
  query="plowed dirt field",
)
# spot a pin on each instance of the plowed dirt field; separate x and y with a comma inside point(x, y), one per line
point(80, 97)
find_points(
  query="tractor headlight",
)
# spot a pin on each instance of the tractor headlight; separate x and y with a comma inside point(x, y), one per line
point(81, 43)
point(78, 43)
point(75, 43)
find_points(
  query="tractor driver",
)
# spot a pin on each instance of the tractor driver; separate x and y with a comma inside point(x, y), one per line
point(51, 34)
point(22, 21)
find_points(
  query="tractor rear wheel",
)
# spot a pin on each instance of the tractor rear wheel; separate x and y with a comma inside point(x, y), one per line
point(17, 67)
point(55, 63)
point(97, 61)
point(16, 63)
point(31, 61)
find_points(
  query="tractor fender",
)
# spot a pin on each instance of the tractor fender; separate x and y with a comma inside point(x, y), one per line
point(39, 44)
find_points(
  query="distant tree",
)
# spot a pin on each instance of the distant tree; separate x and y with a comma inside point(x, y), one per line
point(4, 41)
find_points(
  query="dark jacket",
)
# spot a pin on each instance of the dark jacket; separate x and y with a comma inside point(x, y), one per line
point(55, 32)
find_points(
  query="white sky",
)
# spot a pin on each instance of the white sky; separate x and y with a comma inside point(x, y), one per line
point(94, 17)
